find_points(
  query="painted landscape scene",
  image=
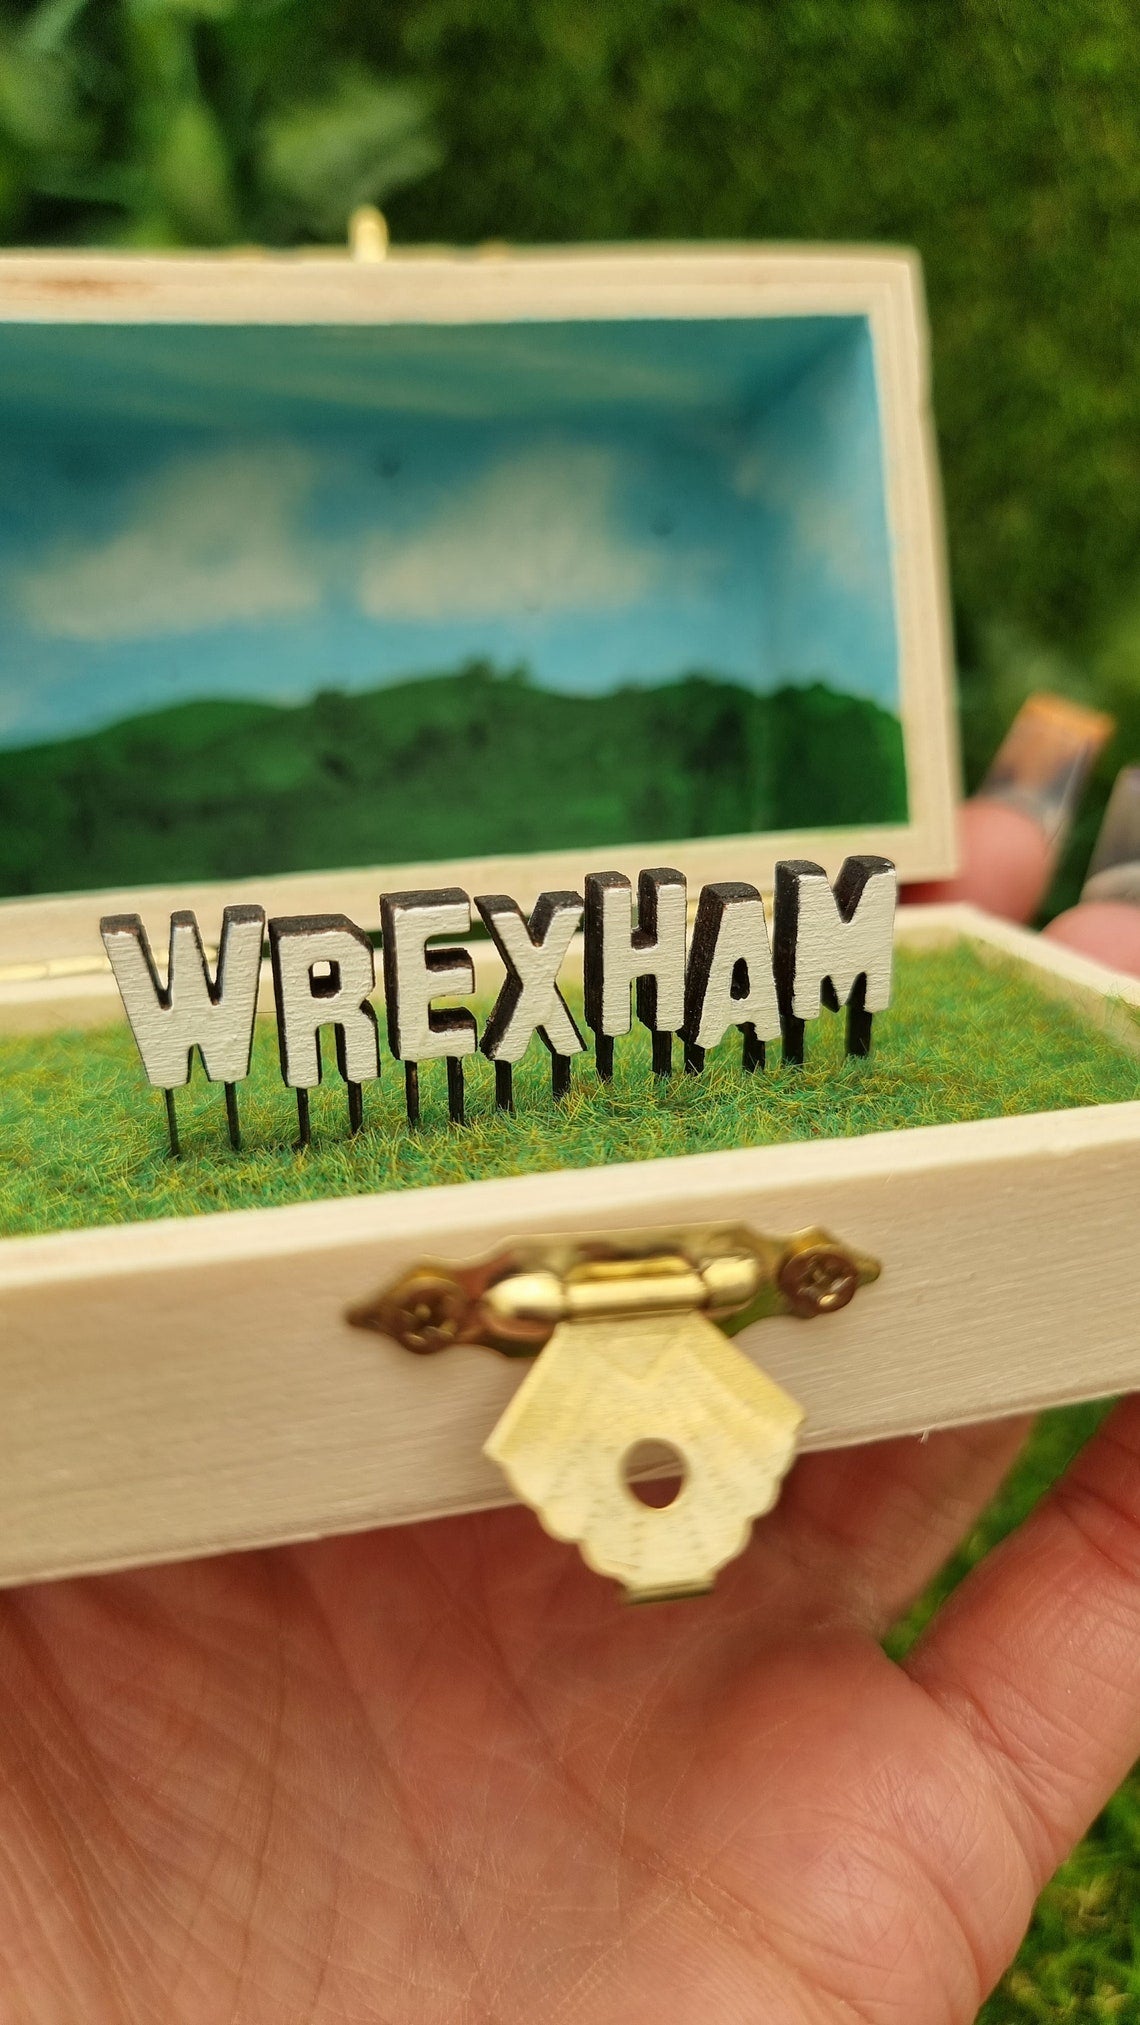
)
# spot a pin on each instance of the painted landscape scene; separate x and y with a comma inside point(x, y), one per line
point(280, 599)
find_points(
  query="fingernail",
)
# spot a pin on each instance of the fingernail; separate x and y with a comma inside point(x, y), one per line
point(1114, 868)
point(1045, 759)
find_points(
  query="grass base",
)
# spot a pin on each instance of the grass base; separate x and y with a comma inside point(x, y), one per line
point(84, 1136)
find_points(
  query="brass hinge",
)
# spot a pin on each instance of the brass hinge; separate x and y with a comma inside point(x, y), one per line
point(629, 1333)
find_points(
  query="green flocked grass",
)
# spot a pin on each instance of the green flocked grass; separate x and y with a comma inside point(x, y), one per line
point(963, 1039)
point(86, 1135)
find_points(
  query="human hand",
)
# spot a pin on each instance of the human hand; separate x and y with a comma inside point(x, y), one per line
point(1010, 834)
point(441, 1776)
point(1007, 861)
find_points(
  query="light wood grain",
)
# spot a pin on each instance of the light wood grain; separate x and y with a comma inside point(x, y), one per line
point(179, 1387)
point(444, 285)
point(172, 1389)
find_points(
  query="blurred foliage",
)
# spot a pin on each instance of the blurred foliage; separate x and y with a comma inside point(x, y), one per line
point(997, 136)
point(195, 123)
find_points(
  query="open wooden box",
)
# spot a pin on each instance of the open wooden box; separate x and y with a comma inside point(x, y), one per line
point(205, 454)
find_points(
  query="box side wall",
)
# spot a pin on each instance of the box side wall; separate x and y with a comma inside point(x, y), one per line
point(179, 1389)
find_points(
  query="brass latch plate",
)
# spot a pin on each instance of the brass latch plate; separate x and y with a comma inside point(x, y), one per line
point(629, 1332)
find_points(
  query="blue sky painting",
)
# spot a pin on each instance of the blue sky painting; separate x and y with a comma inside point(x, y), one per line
point(269, 512)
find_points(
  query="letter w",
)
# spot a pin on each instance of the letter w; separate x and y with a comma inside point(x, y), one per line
point(193, 1010)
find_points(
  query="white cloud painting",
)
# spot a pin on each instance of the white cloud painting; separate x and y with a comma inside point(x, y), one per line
point(207, 541)
point(265, 513)
point(538, 533)
point(220, 540)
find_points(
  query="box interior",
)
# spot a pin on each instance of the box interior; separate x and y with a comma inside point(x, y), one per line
point(280, 598)
point(965, 1038)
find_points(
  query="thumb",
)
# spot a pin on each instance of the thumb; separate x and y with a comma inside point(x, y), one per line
point(1006, 862)
point(1010, 834)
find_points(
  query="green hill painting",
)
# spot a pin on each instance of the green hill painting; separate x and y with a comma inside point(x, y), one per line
point(279, 598)
point(444, 766)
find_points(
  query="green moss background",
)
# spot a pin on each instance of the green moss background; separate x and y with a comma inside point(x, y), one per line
point(1000, 137)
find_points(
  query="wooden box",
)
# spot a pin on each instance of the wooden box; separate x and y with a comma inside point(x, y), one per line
point(611, 514)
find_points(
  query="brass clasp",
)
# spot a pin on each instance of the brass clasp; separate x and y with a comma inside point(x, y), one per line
point(629, 1333)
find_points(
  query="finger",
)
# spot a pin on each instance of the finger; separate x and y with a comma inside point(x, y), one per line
point(1006, 862)
point(875, 1524)
point(1010, 833)
point(1106, 930)
point(1036, 1657)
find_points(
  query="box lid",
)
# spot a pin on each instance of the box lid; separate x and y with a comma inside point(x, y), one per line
point(460, 568)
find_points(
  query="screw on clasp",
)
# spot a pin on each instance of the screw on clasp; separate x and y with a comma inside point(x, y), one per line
point(816, 1276)
point(426, 1312)
point(514, 1301)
